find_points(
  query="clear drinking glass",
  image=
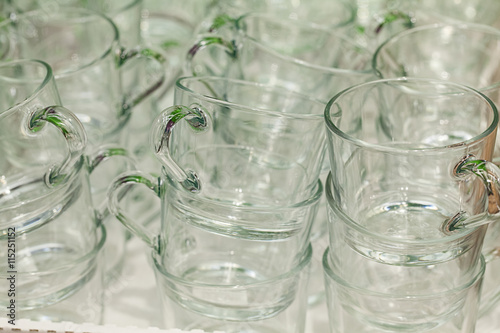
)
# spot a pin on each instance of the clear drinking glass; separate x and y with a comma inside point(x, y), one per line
point(410, 150)
point(465, 53)
point(57, 272)
point(332, 14)
point(44, 167)
point(83, 48)
point(229, 304)
point(410, 161)
point(241, 142)
point(42, 146)
point(267, 238)
point(266, 49)
point(406, 308)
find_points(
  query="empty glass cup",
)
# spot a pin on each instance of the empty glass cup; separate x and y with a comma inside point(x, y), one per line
point(241, 142)
point(44, 169)
point(409, 149)
point(56, 273)
point(290, 53)
point(408, 307)
point(332, 14)
point(266, 237)
point(464, 53)
point(83, 48)
point(41, 144)
point(231, 304)
point(410, 161)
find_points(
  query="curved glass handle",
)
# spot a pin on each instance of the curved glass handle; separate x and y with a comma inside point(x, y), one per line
point(118, 190)
point(123, 56)
point(202, 43)
point(489, 173)
point(160, 140)
point(395, 15)
point(72, 129)
point(104, 153)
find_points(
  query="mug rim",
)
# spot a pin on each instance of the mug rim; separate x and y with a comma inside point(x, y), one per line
point(326, 69)
point(82, 14)
point(305, 259)
point(479, 270)
point(333, 129)
point(462, 26)
point(330, 201)
point(49, 75)
point(179, 84)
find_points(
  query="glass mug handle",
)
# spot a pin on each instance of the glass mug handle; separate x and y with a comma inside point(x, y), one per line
point(160, 139)
point(489, 173)
point(202, 43)
point(117, 191)
point(123, 56)
point(71, 128)
point(104, 153)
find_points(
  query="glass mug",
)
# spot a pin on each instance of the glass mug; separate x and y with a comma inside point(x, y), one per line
point(83, 48)
point(333, 15)
point(241, 142)
point(186, 213)
point(258, 304)
point(91, 67)
point(262, 48)
point(461, 52)
point(427, 280)
point(58, 269)
point(125, 14)
point(45, 168)
point(407, 308)
point(221, 265)
point(41, 144)
point(410, 161)
point(139, 73)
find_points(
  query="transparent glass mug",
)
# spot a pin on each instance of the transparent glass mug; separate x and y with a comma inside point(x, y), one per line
point(463, 53)
point(241, 142)
point(356, 307)
point(125, 14)
point(90, 64)
point(262, 48)
point(410, 161)
point(41, 145)
point(258, 304)
point(217, 262)
point(44, 167)
point(142, 74)
point(333, 15)
point(57, 271)
point(83, 48)
point(436, 273)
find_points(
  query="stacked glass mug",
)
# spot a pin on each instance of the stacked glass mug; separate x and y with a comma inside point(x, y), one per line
point(52, 243)
point(410, 194)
